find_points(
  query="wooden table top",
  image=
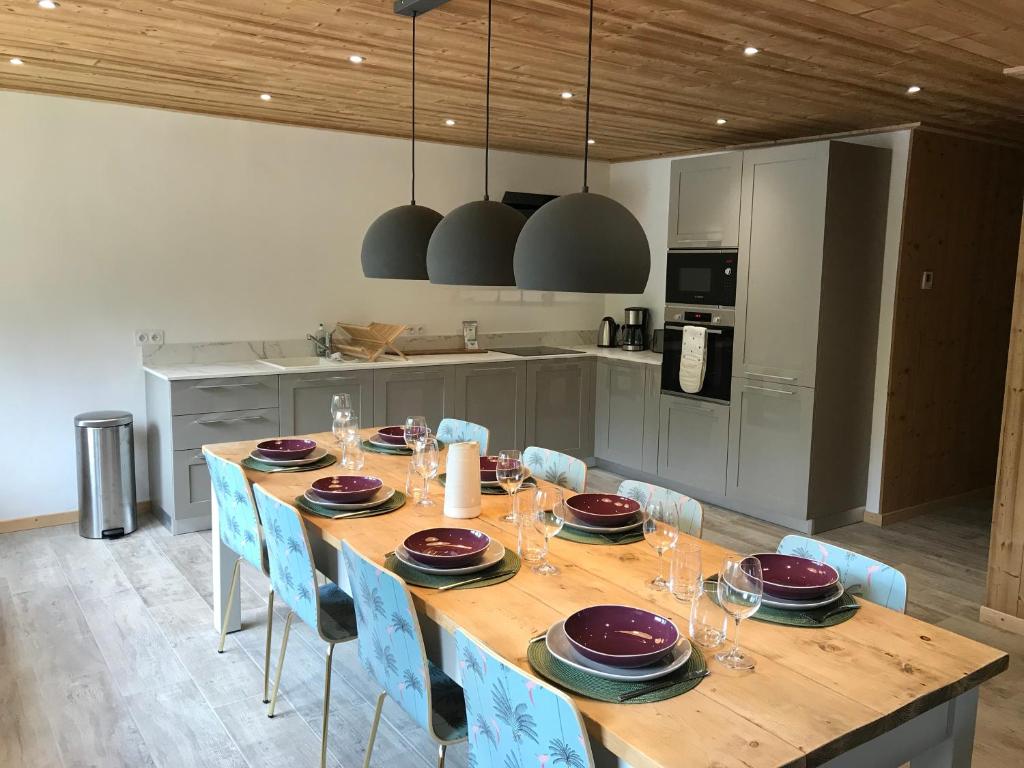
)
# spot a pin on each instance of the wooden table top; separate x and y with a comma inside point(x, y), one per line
point(815, 693)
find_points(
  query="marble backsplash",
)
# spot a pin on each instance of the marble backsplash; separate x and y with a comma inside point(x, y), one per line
point(242, 351)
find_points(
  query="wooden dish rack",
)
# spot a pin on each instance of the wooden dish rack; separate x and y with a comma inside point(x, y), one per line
point(369, 342)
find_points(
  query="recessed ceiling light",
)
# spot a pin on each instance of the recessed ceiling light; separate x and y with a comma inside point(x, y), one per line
point(721, 121)
point(751, 51)
point(48, 4)
point(567, 94)
point(449, 122)
point(16, 61)
point(266, 96)
point(591, 141)
point(355, 58)
point(914, 89)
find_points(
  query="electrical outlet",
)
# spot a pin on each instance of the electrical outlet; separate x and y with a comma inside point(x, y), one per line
point(148, 336)
point(927, 281)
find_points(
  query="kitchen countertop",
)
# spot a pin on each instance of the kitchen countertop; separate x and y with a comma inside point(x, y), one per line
point(183, 371)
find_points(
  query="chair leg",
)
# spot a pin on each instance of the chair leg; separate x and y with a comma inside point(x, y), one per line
point(280, 663)
point(441, 749)
point(266, 654)
point(227, 608)
point(327, 706)
point(373, 728)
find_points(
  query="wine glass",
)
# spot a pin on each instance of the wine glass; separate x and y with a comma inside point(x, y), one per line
point(740, 587)
point(661, 530)
point(427, 460)
point(415, 431)
point(341, 403)
point(510, 474)
point(547, 518)
point(686, 580)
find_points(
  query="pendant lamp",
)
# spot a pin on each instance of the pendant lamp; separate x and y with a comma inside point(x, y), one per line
point(584, 242)
point(395, 245)
point(475, 243)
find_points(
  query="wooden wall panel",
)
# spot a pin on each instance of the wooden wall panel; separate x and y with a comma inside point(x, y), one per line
point(962, 222)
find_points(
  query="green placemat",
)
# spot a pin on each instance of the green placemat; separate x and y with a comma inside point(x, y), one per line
point(586, 537)
point(813, 617)
point(507, 567)
point(602, 689)
point(494, 490)
point(395, 502)
point(396, 451)
point(261, 466)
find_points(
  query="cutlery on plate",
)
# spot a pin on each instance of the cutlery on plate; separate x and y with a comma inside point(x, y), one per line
point(830, 614)
point(484, 577)
point(654, 688)
point(536, 638)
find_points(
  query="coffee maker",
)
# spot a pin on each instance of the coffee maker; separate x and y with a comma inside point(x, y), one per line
point(634, 331)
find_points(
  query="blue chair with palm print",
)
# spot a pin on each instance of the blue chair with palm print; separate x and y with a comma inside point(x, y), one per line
point(515, 719)
point(240, 530)
point(691, 513)
point(391, 650)
point(558, 468)
point(326, 609)
point(877, 582)
point(457, 431)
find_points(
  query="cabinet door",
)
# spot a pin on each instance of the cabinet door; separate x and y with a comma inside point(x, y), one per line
point(398, 394)
point(306, 399)
point(494, 396)
point(704, 201)
point(560, 406)
point(781, 239)
point(652, 419)
point(619, 419)
point(770, 446)
point(694, 444)
point(191, 493)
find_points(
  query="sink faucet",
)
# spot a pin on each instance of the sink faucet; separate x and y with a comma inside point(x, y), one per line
point(321, 342)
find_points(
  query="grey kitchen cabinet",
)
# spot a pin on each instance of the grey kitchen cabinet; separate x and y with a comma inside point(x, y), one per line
point(560, 405)
point(704, 201)
point(694, 447)
point(620, 408)
point(652, 420)
point(494, 395)
point(305, 399)
point(191, 489)
point(400, 393)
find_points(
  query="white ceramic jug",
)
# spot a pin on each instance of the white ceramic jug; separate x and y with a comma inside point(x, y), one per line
point(462, 481)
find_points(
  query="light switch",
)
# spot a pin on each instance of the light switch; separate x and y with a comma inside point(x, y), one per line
point(927, 280)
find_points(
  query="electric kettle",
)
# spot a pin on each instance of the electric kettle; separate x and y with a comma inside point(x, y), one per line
point(607, 333)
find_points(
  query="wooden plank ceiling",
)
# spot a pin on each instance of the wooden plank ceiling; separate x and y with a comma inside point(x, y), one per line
point(665, 70)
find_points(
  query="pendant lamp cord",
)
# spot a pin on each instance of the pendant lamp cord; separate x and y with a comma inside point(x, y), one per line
point(414, 109)
point(586, 130)
point(487, 118)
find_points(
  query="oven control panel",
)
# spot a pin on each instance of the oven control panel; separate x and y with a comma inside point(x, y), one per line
point(678, 314)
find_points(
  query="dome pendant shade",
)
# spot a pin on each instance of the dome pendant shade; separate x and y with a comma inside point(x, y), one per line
point(474, 245)
point(583, 243)
point(395, 245)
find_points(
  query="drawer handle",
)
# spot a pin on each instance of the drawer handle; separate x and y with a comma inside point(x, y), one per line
point(769, 389)
point(325, 378)
point(198, 457)
point(228, 421)
point(770, 376)
point(226, 386)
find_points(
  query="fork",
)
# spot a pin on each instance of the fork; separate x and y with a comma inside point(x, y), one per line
point(654, 688)
point(830, 614)
point(484, 577)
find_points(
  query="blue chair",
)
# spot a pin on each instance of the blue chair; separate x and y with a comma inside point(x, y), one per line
point(391, 649)
point(878, 582)
point(326, 609)
point(691, 513)
point(516, 719)
point(558, 468)
point(241, 531)
point(456, 431)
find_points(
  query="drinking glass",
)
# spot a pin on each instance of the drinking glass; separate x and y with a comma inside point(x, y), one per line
point(547, 518)
point(740, 587)
point(532, 546)
point(427, 461)
point(509, 471)
point(339, 427)
point(661, 530)
point(708, 622)
point(415, 431)
point(341, 403)
point(353, 456)
point(414, 484)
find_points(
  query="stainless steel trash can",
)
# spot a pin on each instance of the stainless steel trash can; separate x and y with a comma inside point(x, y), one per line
point(105, 449)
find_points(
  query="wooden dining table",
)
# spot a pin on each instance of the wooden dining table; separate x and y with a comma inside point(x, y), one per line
point(878, 690)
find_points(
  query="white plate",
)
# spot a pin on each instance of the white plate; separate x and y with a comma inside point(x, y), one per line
point(317, 454)
point(560, 647)
point(494, 483)
point(382, 495)
point(803, 605)
point(574, 522)
point(492, 556)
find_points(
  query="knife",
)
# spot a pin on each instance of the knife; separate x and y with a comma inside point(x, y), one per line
point(830, 614)
point(636, 694)
point(484, 577)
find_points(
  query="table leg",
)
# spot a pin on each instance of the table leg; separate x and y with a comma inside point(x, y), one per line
point(223, 564)
point(956, 750)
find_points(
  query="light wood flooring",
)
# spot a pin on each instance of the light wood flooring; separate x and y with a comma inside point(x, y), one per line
point(108, 656)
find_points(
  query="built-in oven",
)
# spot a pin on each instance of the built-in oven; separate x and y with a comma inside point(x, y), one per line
point(720, 325)
point(702, 276)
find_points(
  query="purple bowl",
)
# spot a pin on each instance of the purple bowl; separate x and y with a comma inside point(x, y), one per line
point(488, 469)
point(796, 577)
point(620, 636)
point(347, 489)
point(289, 448)
point(447, 547)
point(605, 509)
point(393, 435)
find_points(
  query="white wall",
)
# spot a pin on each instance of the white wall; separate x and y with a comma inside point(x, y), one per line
point(114, 218)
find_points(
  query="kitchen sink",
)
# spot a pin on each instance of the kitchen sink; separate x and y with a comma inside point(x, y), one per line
point(287, 363)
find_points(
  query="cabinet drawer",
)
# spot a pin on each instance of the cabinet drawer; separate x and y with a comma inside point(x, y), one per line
point(197, 430)
point(191, 491)
point(229, 394)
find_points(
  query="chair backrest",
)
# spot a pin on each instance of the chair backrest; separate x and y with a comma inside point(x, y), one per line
point(558, 468)
point(514, 718)
point(239, 522)
point(691, 513)
point(879, 583)
point(457, 431)
point(390, 641)
point(291, 561)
